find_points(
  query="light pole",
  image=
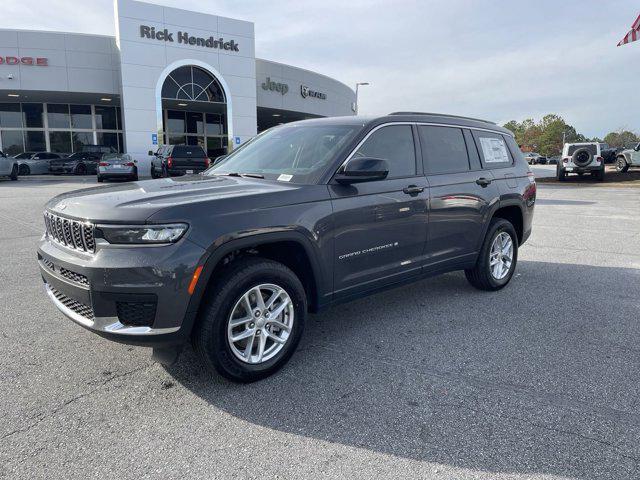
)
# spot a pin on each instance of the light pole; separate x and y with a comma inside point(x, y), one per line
point(358, 85)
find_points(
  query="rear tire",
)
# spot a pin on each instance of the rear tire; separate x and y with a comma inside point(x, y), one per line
point(81, 169)
point(100, 179)
point(599, 175)
point(211, 333)
point(481, 276)
point(24, 170)
point(165, 172)
point(561, 174)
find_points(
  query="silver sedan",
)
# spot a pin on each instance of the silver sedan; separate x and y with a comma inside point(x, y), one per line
point(34, 163)
point(117, 165)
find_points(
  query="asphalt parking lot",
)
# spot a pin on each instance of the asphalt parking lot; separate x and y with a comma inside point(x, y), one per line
point(433, 380)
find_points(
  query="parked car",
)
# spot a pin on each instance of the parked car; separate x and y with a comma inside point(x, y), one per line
point(554, 160)
point(310, 214)
point(172, 160)
point(628, 158)
point(35, 163)
point(534, 158)
point(608, 153)
point(581, 158)
point(79, 163)
point(8, 166)
point(117, 166)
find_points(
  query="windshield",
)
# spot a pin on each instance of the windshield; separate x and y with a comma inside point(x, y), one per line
point(294, 153)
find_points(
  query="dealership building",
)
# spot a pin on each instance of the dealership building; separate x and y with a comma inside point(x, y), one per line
point(168, 76)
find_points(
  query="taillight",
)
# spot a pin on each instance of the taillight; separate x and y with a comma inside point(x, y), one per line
point(129, 164)
point(103, 164)
point(600, 159)
point(532, 177)
point(169, 162)
point(207, 162)
point(565, 160)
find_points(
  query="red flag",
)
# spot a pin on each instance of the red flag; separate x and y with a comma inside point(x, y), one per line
point(633, 34)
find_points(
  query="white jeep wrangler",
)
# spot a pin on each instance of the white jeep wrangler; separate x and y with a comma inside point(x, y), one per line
point(628, 158)
point(581, 158)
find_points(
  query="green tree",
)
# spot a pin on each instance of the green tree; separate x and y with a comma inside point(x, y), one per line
point(545, 136)
point(621, 139)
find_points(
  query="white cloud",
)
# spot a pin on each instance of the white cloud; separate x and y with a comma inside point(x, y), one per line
point(497, 60)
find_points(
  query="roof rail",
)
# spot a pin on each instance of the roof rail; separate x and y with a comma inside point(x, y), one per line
point(443, 115)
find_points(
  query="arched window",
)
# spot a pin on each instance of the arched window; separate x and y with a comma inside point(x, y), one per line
point(194, 84)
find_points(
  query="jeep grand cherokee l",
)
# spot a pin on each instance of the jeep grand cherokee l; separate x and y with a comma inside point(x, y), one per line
point(309, 214)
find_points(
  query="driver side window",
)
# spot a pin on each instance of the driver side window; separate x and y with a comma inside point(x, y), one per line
point(395, 145)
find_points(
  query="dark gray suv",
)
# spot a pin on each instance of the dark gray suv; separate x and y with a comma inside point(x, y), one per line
point(307, 215)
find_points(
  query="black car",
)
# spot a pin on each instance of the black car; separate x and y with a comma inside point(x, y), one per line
point(79, 163)
point(308, 215)
point(174, 160)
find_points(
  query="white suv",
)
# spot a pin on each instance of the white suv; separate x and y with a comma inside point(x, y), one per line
point(8, 167)
point(581, 158)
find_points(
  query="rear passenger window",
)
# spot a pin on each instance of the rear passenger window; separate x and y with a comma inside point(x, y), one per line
point(493, 149)
point(444, 149)
point(395, 145)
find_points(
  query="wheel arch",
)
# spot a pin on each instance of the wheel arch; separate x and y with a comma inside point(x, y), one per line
point(290, 248)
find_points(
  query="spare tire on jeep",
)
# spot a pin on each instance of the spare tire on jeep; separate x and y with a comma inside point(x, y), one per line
point(582, 157)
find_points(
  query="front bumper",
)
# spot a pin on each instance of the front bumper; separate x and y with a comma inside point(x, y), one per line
point(135, 295)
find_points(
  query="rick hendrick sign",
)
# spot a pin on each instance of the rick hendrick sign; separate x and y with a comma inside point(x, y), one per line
point(184, 37)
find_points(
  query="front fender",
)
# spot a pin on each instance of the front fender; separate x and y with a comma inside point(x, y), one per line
point(247, 239)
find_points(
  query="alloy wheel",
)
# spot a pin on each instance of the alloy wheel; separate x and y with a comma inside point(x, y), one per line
point(501, 255)
point(260, 323)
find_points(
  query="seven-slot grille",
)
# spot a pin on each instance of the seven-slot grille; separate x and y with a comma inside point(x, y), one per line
point(70, 233)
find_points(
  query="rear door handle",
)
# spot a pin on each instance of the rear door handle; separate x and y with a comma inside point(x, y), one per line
point(413, 190)
point(483, 182)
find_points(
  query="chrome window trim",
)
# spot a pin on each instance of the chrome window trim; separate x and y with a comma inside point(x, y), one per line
point(429, 124)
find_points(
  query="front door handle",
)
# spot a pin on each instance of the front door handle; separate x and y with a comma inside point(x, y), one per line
point(413, 190)
point(483, 182)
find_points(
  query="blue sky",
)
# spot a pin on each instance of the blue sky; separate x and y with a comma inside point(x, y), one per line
point(498, 60)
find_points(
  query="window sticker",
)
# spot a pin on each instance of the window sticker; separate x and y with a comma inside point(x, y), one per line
point(285, 178)
point(494, 150)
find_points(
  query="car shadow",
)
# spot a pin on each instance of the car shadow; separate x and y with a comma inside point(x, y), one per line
point(539, 378)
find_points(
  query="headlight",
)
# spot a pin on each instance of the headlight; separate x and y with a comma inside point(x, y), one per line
point(143, 234)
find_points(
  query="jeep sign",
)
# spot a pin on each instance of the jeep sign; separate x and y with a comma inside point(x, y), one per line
point(268, 84)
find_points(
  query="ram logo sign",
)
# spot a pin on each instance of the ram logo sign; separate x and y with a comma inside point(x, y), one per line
point(307, 92)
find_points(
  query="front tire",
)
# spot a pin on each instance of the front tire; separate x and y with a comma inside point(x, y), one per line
point(237, 312)
point(24, 170)
point(81, 169)
point(621, 165)
point(14, 173)
point(498, 257)
point(599, 175)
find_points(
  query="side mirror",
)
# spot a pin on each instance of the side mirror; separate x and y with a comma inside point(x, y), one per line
point(637, 148)
point(359, 170)
point(150, 153)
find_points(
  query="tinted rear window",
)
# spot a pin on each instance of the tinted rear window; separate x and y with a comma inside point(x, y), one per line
point(188, 151)
point(493, 149)
point(444, 149)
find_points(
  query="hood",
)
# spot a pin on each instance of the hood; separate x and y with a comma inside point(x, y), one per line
point(137, 201)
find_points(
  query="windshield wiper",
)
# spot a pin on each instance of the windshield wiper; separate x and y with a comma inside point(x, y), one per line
point(236, 174)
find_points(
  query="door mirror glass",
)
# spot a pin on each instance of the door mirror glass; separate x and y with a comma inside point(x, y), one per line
point(363, 169)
